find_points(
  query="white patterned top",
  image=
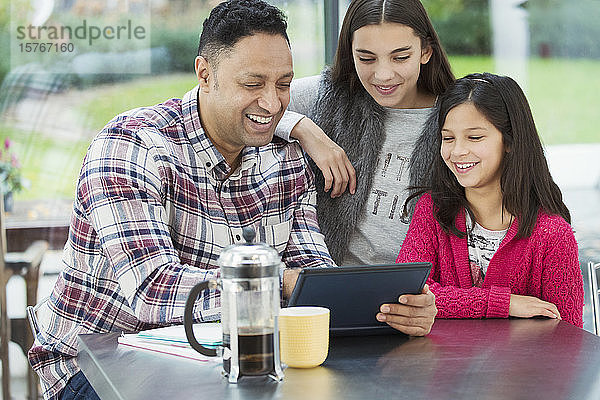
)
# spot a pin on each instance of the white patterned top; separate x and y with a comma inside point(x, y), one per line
point(482, 243)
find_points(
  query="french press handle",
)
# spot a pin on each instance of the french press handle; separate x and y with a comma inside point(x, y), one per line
point(188, 318)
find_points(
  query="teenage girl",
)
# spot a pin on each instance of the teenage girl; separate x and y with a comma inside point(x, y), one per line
point(492, 222)
point(373, 103)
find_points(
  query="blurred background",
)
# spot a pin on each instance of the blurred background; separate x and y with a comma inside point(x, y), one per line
point(54, 100)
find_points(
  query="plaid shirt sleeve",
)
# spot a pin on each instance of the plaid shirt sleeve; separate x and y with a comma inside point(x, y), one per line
point(122, 193)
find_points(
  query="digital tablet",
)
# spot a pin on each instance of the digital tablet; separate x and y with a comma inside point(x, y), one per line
point(354, 294)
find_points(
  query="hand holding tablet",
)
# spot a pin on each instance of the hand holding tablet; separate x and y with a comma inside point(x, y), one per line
point(413, 315)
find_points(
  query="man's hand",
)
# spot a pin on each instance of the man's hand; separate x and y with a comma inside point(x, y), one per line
point(414, 315)
point(290, 276)
point(329, 157)
point(529, 306)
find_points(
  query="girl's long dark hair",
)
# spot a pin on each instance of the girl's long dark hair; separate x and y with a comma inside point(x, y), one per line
point(525, 182)
point(435, 76)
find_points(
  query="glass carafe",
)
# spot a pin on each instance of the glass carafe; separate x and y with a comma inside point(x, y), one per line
point(249, 287)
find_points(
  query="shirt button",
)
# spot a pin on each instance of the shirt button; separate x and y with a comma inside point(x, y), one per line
point(238, 237)
point(208, 164)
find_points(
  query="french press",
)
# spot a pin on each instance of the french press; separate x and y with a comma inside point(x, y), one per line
point(249, 285)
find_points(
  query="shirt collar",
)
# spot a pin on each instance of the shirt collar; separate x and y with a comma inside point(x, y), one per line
point(203, 146)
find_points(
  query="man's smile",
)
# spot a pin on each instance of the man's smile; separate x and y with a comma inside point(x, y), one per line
point(259, 119)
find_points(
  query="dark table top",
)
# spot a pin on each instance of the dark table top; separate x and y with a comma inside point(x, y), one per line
point(459, 359)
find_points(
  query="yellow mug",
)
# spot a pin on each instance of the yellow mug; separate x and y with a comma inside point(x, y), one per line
point(304, 336)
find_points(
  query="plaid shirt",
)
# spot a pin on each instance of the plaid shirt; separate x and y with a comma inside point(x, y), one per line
point(152, 213)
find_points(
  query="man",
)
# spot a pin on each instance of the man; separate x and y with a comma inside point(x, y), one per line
point(164, 189)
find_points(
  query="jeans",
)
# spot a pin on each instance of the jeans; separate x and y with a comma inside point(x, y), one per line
point(79, 388)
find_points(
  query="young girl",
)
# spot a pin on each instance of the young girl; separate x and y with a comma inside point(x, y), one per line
point(493, 223)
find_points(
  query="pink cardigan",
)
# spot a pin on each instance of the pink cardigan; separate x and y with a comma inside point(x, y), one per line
point(544, 265)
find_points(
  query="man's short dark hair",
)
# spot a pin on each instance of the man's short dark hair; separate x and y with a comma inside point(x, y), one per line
point(233, 20)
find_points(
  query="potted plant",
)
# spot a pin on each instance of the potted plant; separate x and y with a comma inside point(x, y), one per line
point(11, 180)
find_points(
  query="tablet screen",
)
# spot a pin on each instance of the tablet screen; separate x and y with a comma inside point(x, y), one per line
point(354, 294)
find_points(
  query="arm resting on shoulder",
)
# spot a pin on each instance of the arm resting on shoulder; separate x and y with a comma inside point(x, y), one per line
point(331, 159)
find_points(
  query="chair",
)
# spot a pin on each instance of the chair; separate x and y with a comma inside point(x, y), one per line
point(25, 264)
point(594, 301)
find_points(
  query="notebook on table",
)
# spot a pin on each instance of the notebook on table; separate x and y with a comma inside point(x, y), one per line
point(354, 294)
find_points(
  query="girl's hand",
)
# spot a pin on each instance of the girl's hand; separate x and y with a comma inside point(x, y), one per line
point(329, 157)
point(413, 315)
point(529, 306)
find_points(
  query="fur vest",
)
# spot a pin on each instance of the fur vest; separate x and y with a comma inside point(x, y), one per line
point(356, 123)
point(421, 160)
